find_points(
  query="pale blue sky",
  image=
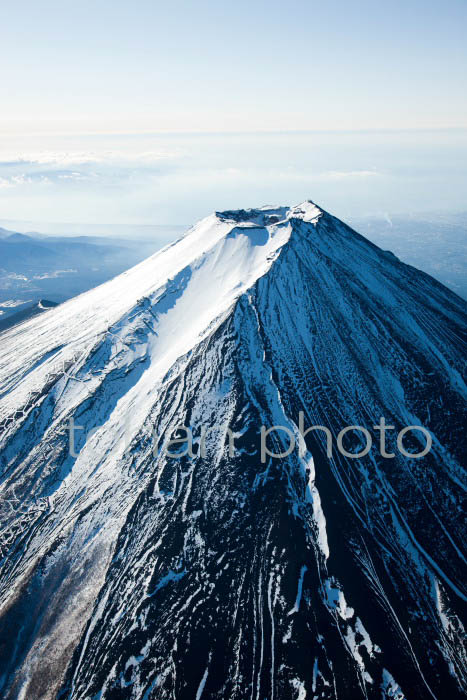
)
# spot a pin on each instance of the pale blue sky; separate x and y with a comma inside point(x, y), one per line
point(359, 105)
point(113, 65)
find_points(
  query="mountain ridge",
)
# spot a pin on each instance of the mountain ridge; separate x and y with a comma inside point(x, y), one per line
point(226, 577)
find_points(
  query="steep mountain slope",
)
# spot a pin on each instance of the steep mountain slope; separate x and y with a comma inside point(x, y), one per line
point(130, 574)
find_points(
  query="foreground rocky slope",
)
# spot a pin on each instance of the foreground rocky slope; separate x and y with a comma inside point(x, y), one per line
point(130, 574)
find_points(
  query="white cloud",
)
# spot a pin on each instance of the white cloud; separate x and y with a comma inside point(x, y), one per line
point(61, 159)
point(347, 174)
point(22, 179)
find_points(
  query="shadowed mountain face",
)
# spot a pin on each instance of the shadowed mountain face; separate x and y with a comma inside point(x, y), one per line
point(130, 573)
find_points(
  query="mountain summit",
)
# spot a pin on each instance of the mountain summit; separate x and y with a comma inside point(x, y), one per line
point(132, 572)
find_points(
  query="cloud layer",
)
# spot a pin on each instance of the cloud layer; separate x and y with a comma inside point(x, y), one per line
point(176, 179)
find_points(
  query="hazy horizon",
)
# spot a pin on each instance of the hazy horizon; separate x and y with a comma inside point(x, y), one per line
point(176, 179)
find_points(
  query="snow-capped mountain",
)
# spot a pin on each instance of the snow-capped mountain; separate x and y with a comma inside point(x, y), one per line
point(127, 573)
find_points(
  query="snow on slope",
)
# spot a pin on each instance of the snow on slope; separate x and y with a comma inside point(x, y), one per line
point(216, 261)
point(127, 574)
